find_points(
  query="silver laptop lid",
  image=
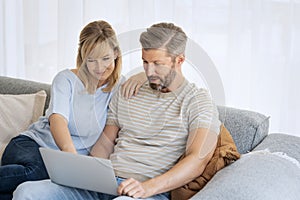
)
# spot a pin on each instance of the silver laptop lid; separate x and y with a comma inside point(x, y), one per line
point(79, 171)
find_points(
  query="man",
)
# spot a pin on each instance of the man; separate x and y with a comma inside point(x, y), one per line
point(168, 117)
point(145, 135)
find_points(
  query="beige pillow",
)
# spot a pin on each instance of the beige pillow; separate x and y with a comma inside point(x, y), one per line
point(17, 112)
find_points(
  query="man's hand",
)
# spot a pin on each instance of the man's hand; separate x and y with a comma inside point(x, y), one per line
point(133, 188)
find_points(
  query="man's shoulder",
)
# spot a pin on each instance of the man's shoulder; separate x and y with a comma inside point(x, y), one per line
point(191, 90)
point(143, 90)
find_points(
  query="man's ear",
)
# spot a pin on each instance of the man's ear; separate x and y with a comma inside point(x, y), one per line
point(180, 58)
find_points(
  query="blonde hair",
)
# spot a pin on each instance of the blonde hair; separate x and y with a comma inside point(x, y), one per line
point(93, 34)
point(165, 36)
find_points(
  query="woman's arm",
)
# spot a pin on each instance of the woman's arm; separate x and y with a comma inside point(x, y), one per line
point(106, 142)
point(61, 134)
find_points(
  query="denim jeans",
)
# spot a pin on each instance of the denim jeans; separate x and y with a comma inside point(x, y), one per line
point(47, 190)
point(21, 161)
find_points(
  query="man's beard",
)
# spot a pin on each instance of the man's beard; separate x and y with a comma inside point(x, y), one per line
point(155, 86)
point(164, 83)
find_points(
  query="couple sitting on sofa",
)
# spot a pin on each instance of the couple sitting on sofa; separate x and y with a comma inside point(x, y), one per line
point(143, 136)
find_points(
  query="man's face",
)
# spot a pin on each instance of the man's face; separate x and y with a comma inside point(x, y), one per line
point(159, 68)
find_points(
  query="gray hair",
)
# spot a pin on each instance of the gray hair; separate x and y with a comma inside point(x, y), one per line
point(164, 36)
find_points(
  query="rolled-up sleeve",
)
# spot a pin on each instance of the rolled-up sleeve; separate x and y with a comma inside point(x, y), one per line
point(203, 112)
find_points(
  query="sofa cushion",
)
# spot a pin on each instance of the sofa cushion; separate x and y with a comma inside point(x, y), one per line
point(260, 175)
point(17, 113)
point(247, 128)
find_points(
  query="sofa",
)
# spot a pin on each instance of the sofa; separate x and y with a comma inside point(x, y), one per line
point(268, 168)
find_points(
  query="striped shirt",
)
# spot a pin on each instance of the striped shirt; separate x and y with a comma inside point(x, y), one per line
point(154, 127)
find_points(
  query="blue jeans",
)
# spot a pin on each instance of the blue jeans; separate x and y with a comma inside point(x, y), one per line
point(21, 161)
point(47, 190)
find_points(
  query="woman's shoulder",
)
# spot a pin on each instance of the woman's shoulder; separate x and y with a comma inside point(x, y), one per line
point(66, 75)
point(66, 72)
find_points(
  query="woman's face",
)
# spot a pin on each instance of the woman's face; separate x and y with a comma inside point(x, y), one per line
point(101, 62)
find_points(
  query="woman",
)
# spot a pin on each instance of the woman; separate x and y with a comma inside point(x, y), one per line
point(77, 111)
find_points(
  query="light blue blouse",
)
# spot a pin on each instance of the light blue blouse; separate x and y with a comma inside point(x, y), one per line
point(86, 113)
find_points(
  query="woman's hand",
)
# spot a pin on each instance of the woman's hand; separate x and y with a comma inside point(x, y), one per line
point(133, 84)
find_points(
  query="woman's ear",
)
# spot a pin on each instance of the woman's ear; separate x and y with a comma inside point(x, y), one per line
point(116, 54)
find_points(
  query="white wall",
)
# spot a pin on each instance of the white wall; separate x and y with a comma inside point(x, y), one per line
point(254, 44)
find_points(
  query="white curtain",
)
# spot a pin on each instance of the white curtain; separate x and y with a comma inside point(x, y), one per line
point(254, 44)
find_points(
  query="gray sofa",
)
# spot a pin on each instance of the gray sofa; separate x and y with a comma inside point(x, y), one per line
point(268, 168)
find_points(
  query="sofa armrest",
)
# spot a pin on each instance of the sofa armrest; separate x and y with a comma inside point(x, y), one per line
point(277, 142)
point(248, 128)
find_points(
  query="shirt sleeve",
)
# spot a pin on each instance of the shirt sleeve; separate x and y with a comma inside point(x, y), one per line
point(203, 112)
point(60, 96)
point(113, 109)
point(113, 105)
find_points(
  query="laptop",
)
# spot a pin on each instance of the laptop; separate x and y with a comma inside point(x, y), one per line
point(80, 171)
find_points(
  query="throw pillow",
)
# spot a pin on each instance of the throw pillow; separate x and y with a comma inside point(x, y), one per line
point(17, 113)
point(225, 153)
